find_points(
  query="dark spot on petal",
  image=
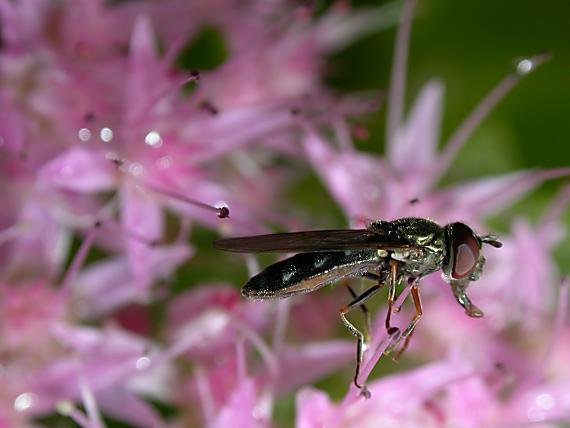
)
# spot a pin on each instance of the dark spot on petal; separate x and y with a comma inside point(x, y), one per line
point(209, 107)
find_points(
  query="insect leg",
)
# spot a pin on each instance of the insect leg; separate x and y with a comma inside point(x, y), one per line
point(458, 287)
point(365, 312)
point(407, 334)
point(391, 295)
point(359, 335)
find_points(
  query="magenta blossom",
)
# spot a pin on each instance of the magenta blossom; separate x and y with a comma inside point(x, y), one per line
point(118, 165)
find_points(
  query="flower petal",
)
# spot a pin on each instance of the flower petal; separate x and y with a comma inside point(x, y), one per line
point(313, 408)
point(483, 197)
point(80, 170)
point(415, 145)
point(125, 406)
point(141, 218)
point(345, 171)
point(241, 409)
point(302, 365)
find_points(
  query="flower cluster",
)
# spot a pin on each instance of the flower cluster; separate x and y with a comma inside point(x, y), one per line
point(116, 155)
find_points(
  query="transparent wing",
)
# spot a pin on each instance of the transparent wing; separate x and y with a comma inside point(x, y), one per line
point(310, 241)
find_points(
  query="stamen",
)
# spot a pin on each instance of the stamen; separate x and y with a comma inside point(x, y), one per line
point(208, 106)
point(205, 395)
point(142, 239)
point(115, 158)
point(89, 117)
point(241, 365)
point(222, 210)
point(482, 110)
point(68, 409)
point(306, 9)
point(252, 265)
point(525, 65)
point(170, 89)
point(79, 258)
point(360, 132)
point(556, 209)
point(259, 345)
point(342, 133)
point(282, 318)
point(11, 232)
point(397, 88)
point(89, 402)
point(560, 320)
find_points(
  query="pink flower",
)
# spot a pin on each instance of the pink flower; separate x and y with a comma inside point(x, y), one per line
point(47, 358)
point(113, 160)
point(402, 184)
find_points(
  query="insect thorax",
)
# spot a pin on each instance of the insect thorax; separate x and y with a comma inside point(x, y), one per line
point(426, 242)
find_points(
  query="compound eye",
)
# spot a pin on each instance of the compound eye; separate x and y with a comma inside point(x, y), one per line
point(466, 251)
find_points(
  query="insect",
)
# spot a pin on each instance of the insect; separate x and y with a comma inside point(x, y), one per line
point(388, 252)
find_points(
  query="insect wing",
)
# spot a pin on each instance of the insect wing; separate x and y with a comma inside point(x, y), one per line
point(317, 240)
point(307, 272)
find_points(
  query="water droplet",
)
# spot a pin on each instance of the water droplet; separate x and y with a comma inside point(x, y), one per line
point(535, 415)
point(545, 401)
point(164, 162)
point(142, 363)
point(258, 413)
point(84, 134)
point(525, 66)
point(24, 401)
point(136, 169)
point(153, 139)
point(106, 134)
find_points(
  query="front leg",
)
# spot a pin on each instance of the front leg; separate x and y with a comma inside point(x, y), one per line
point(458, 287)
point(392, 281)
point(407, 334)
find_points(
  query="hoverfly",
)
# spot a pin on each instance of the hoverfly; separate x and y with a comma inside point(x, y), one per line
point(388, 252)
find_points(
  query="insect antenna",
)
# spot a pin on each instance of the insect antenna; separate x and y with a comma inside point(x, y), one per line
point(491, 240)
